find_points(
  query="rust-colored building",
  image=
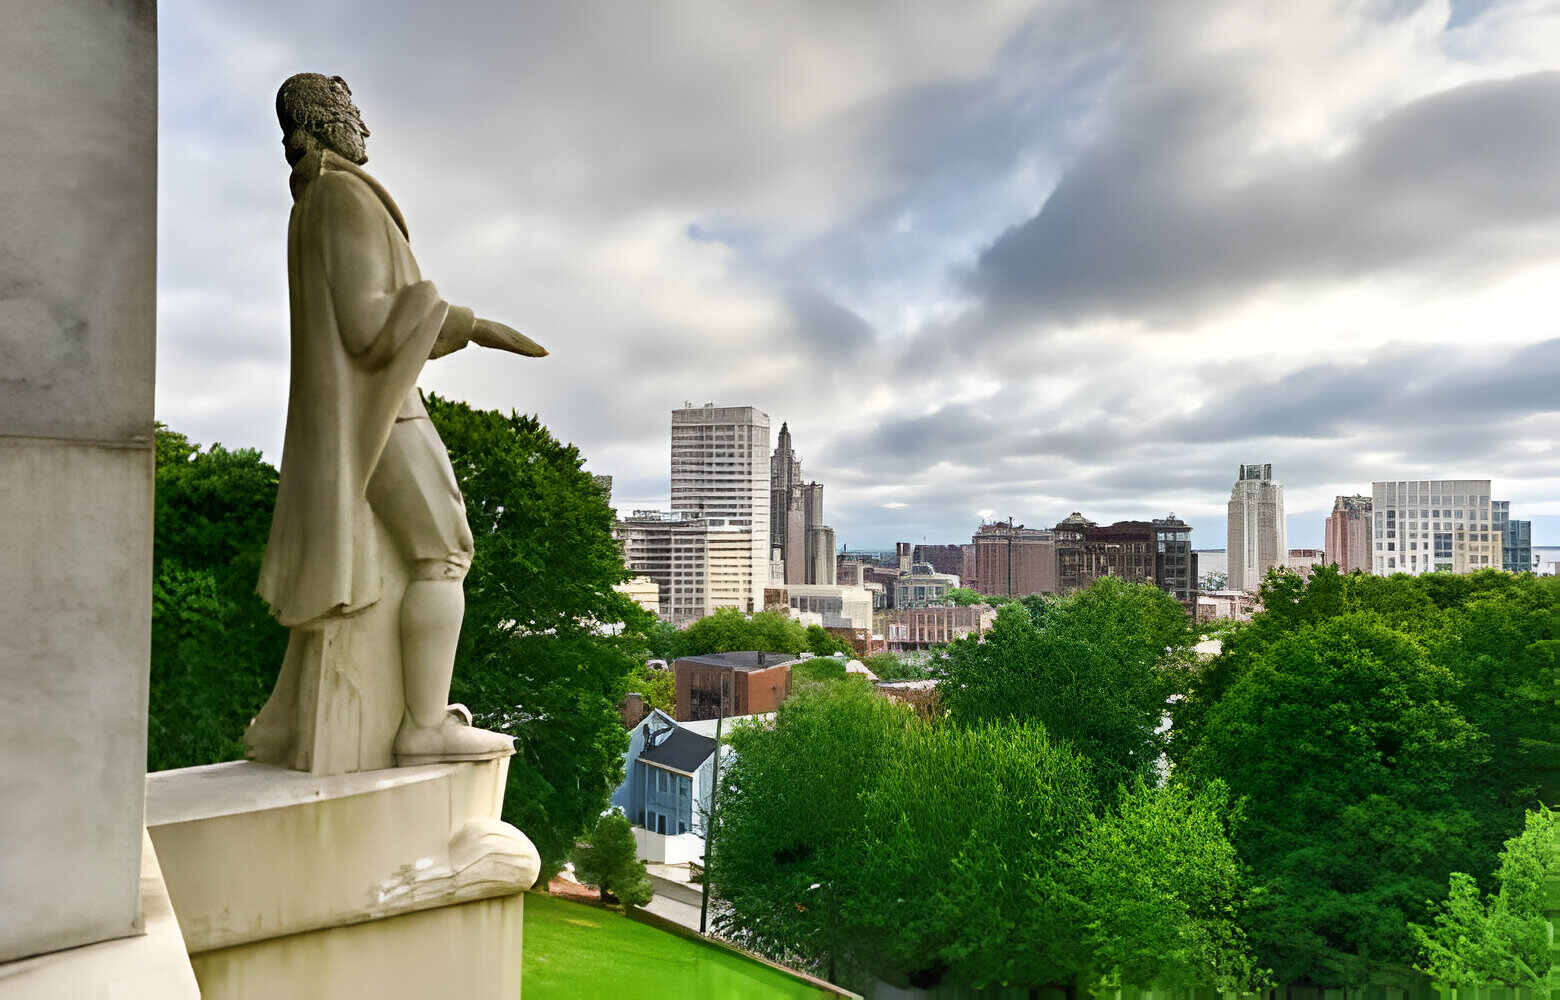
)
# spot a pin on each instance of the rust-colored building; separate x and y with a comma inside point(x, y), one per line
point(753, 683)
point(1013, 560)
point(1348, 534)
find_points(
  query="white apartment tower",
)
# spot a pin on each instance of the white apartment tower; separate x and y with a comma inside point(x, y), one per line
point(1433, 525)
point(1257, 539)
point(720, 474)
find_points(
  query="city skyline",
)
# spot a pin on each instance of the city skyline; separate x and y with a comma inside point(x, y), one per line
point(1051, 258)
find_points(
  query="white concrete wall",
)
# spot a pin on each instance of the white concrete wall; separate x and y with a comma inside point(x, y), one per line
point(78, 249)
point(668, 849)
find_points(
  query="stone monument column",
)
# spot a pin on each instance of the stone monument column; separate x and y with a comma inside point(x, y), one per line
point(78, 271)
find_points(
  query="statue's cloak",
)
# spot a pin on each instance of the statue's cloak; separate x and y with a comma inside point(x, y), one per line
point(363, 323)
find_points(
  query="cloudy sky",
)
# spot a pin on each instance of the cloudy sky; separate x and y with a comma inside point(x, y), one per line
point(986, 259)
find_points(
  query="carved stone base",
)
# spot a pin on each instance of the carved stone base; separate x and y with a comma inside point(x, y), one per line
point(339, 698)
point(276, 873)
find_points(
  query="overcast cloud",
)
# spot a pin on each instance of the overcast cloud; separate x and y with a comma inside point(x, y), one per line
point(986, 260)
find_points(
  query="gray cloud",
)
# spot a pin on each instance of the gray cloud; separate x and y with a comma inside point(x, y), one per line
point(1135, 228)
point(930, 239)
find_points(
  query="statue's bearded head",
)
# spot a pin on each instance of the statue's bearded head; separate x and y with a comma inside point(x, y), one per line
point(317, 111)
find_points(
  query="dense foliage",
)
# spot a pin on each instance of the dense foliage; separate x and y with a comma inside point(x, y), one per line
point(1096, 669)
point(215, 648)
point(1384, 733)
point(864, 842)
point(1160, 890)
point(542, 656)
point(1503, 937)
point(609, 860)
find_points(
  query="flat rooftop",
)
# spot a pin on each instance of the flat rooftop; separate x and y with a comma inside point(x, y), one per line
point(742, 660)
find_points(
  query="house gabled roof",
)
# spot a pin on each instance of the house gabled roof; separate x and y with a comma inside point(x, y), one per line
point(680, 750)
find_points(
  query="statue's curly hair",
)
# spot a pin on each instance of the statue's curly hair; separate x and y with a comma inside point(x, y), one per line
point(309, 101)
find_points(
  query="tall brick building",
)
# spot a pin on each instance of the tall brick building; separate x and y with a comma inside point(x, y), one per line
point(1012, 560)
point(1347, 536)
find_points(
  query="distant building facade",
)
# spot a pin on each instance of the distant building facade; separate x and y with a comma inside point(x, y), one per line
point(1434, 525)
point(836, 606)
point(672, 550)
point(799, 540)
point(1012, 560)
point(923, 628)
point(643, 591)
point(1348, 534)
point(1305, 561)
point(921, 587)
point(1157, 552)
point(942, 558)
point(753, 683)
point(1257, 538)
point(720, 474)
point(1237, 604)
point(1069, 536)
point(1516, 538)
point(1175, 567)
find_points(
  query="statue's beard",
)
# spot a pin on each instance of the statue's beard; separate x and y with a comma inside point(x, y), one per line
point(344, 139)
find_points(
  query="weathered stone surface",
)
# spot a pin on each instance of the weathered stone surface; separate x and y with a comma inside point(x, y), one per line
point(78, 193)
point(470, 950)
point(152, 966)
point(253, 852)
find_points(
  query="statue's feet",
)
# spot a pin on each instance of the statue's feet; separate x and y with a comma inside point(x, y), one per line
point(454, 738)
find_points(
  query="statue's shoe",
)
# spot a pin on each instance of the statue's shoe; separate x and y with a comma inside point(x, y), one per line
point(454, 738)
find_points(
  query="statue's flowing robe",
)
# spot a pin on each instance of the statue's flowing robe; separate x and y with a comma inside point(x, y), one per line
point(363, 323)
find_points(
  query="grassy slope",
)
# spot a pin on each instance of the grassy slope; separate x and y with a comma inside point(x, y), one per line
point(577, 951)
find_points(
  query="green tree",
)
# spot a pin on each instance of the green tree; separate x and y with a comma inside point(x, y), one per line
point(1098, 672)
point(1160, 890)
point(958, 839)
point(608, 859)
point(542, 656)
point(1342, 738)
point(215, 648)
point(729, 630)
point(1499, 637)
point(657, 687)
point(663, 640)
point(964, 596)
point(821, 643)
point(855, 840)
point(1502, 938)
point(789, 818)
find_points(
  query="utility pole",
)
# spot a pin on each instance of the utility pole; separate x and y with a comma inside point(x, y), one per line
point(709, 821)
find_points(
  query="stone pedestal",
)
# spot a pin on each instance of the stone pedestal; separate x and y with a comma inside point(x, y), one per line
point(150, 966)
point(389, 883)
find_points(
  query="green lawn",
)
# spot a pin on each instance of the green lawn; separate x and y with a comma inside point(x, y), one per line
point(573, 950)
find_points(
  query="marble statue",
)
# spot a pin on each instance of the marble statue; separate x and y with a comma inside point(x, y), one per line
point(366, 491)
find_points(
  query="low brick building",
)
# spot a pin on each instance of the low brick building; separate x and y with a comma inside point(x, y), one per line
point(754, 683)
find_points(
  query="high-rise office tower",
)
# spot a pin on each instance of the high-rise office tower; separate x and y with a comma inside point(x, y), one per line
point(720, 472)
point(1257, 539)
point(1347, 539)
point(1433, 525)
point(785, 474)
point(798, 538)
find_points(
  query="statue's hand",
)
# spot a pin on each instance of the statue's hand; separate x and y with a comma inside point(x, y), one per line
point(490, 334)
